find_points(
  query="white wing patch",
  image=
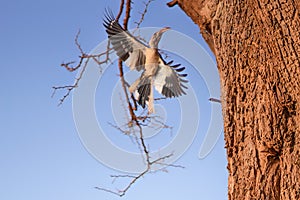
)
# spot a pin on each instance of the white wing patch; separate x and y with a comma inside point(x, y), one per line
point(136, 60)
point(160, 78)
point(168, 81)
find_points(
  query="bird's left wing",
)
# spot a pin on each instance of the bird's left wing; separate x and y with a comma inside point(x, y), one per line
point(168, 81)
point(127, 47)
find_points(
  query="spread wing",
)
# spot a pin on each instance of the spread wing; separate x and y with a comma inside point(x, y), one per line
point(168, 80)
point(127, 47)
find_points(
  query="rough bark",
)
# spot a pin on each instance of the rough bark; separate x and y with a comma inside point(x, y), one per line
point(257, 47)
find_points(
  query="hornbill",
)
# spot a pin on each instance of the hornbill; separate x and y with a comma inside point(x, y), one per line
point(139, 56)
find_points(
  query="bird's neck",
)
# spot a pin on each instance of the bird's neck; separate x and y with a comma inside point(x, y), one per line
point(152, 59)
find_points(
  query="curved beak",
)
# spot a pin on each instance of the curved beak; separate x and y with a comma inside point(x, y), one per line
point(165, 29)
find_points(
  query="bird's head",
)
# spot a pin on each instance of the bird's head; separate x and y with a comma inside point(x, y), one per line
point(153, 43)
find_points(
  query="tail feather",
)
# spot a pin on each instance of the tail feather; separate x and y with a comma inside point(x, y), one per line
point(143, 91)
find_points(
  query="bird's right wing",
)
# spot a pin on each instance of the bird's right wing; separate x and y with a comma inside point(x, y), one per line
point(127, 47)
point(168, 80)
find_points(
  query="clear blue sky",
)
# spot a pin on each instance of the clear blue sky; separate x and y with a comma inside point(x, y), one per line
point(41, 154)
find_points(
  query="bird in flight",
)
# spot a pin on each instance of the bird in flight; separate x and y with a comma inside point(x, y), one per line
point(156, 72)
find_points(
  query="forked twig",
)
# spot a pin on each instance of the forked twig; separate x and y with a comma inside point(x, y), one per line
point(84, 58)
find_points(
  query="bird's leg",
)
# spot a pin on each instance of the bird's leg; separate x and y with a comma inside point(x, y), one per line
point(151, 98)
point(134, 86)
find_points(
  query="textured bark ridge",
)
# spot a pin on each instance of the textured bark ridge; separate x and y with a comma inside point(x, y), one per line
point(257, 47)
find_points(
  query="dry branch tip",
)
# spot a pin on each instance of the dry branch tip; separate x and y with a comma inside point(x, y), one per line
point(172, 3)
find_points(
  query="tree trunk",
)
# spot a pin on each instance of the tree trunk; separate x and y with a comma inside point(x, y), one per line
point(257, 47)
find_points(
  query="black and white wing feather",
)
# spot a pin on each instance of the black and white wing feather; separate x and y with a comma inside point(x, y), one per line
point(127, 47)
point(168, 81)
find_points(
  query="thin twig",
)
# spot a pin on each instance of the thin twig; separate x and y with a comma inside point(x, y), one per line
point(138, 24)
point(127, 15)
point(215, 100)
point(120, 10)
point(70, 88)
point(172, 3)
point(126, 132)
point(83, 61)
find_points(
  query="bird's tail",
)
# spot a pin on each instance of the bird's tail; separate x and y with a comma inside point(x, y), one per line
point(143, 91)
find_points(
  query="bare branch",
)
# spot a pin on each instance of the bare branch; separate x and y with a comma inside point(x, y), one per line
point(122, 176)
point(123, 192)
point(127, 14)
point(172, 3)
point(77, 43)
point(215, 100)
point(120, 64)
point(126, 132)
point(83, 61)
point(70, 87)
point(138, 24)
point(122, 2)
point(67, 65)
point(135, 178)
point(110, 191)
point(162, 124)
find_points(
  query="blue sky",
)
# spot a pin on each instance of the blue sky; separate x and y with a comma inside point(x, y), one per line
point(42, 156)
